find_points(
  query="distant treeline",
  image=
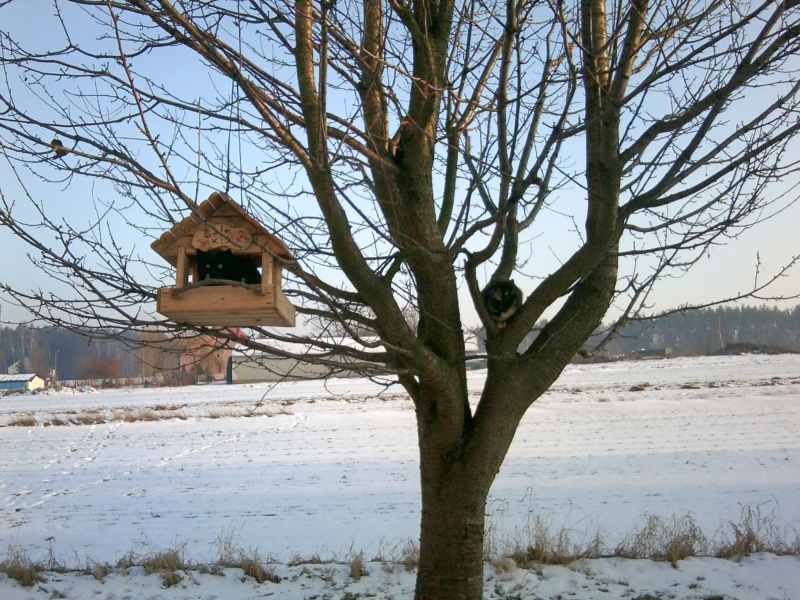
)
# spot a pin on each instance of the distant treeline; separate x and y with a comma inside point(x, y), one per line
point(44, 349)
point(712, 331)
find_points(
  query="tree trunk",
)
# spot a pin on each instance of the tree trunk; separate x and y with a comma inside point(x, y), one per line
point(457, 468)
point(451, 541)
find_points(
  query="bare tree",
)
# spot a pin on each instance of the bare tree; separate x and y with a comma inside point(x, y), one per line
point(404, 150)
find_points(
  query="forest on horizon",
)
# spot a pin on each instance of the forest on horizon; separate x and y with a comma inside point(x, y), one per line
point(695, 332)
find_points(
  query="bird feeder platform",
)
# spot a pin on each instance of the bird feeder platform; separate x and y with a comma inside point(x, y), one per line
point(220, 225)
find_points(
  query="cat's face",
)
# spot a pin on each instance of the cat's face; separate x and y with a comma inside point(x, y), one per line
point(217, 264)
point(502, 297)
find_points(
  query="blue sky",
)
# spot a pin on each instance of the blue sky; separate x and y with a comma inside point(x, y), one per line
point(725, 271)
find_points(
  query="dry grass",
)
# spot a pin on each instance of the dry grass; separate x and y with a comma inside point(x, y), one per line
point(170, 560)
point(227, 550)
point(755, 532)
point(357, 567)
point(166, 564)
point(23, 421)
point(298, 559)
point(505, 564)
point(168, 407)
point(211, 570)
point(122, 415)
point(88, 418)
point(541, 546)
point(240, 412)
point(159, 412)
point(409, 556)
point(17, 565)
point(665, 539)
point(146, 415)
point(229, 555)
point(253, 566)
point(218, 413)
point(170, 578)
point(101, 571)
point(670, 540)
point(126, 562)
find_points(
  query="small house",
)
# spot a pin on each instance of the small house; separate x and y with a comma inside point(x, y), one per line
point(20, 382)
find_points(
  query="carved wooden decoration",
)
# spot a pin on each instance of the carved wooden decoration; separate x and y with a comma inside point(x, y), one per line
point(221, 237)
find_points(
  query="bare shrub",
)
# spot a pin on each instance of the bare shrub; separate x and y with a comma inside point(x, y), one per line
point(17, 565)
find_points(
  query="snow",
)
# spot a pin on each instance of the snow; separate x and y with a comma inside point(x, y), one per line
point(16, 377)
point(759, 577)
point(336, 468)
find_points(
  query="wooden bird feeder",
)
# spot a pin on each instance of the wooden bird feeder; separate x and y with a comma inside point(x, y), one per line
point(220, 226)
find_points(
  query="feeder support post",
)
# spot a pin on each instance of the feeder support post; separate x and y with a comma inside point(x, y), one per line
point(181, 272)
point(266, 274)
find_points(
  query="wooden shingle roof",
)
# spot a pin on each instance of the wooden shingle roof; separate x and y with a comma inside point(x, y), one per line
point(217, 205)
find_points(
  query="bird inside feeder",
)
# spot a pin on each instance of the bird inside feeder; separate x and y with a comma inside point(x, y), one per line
point(227, 269)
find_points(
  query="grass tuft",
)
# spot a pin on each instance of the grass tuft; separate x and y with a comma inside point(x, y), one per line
point(101, 571)
point(357, 567)
point(170, 560)
point(409, 556)
point(17, 565)
point(23, 421)
point(755, 532)
point(88, 418)
point(665, 539)
point(541, 546)
point(254, 567)
point(170, 578)
point(299, 559)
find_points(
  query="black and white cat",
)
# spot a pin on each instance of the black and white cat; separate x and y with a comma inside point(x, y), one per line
point(224, 265)
point(502, 299)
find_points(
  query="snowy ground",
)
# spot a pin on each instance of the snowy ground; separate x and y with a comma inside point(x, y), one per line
point(339, 469)
point(759, 577)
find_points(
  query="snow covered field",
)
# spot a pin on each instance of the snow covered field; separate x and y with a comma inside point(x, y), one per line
point(759, 577)
point(336, 467)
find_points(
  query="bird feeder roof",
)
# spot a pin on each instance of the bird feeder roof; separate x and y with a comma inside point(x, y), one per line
point(215, 214)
